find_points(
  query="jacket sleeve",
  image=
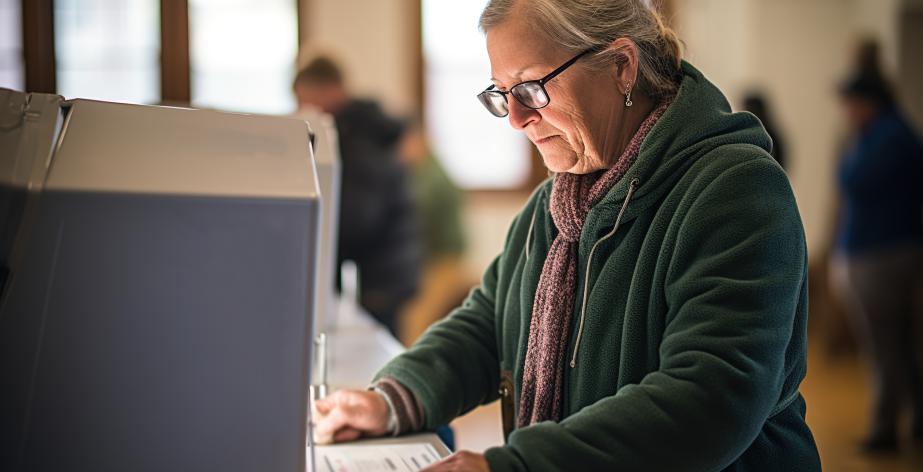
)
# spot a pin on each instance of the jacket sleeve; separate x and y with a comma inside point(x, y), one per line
point(455, 366)
point(732, 289)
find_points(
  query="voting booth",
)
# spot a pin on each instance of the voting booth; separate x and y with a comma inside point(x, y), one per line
point(157, 287)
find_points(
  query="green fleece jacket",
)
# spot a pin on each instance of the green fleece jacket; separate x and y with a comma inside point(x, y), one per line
point(694, 329)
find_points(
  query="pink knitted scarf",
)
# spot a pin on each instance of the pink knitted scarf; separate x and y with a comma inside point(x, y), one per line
point(572, 197)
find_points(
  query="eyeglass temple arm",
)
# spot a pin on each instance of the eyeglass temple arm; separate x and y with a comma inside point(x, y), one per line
point(564, 66)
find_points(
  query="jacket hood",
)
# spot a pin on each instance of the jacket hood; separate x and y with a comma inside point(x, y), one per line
point(698, 121)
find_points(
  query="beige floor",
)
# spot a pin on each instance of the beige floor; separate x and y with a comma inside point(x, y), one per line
point(837, 409)
point(837, 404)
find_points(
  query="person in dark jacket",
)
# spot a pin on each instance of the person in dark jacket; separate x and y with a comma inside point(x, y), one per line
point(439, 201)
point(879, 250)
point(648, 311)
point(378, 218)
point(757, 104)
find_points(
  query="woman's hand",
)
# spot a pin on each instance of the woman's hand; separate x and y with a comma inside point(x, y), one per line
point(346, 415)
point(466, 461)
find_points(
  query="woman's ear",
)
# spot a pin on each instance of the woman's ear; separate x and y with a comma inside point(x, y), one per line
point(626, 63)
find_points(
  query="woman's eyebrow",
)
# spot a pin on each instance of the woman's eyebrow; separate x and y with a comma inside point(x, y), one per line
point(518, 74)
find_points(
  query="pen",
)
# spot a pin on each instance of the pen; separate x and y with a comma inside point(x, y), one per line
point(320, 349)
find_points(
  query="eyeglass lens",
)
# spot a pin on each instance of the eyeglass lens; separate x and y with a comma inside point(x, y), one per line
point(495, 103)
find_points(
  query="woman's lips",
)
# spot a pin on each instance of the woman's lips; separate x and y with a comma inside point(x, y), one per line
point(543, 140)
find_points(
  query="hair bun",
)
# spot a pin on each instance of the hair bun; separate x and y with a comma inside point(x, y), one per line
point(671, 46)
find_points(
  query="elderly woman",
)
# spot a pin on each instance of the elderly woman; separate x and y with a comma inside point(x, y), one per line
point(648, 310)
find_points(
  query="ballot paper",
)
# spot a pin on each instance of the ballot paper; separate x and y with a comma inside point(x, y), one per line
point(409, 457)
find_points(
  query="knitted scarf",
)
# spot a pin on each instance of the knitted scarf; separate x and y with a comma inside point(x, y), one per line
point(572, 197)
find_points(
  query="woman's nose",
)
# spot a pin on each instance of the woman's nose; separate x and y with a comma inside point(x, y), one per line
point(521, 116)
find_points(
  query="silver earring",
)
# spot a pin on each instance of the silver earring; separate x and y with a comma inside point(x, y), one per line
point(628, 101)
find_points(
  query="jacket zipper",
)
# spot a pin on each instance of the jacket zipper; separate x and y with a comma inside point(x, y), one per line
point(586, 280)
point(529, 234)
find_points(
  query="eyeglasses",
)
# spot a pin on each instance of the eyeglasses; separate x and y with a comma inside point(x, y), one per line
point(531, 93)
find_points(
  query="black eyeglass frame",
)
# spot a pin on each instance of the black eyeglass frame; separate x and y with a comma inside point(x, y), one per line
point(540, 82)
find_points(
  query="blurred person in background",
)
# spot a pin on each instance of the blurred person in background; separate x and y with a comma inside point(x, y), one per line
point(439, 201)
point(378, 218)
point(756, 103)
point(648, 311)
point(879, 247)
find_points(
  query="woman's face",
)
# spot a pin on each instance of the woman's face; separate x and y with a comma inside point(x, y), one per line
point(578, 131)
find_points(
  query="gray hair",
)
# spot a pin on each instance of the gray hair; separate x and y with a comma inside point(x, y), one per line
point(578, 25)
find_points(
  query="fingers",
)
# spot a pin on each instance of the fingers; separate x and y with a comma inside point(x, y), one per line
point(347, 414)
point(460, 461)
point(327, 419)
point(322, 406)
point(347, 434)
point(327, 425)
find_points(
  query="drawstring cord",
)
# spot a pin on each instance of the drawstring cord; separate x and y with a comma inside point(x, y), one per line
point(586, 280)
point(529, 235)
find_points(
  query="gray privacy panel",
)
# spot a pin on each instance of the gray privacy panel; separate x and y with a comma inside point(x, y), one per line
point(136, 149)
point(327, 159)
point(161, 327)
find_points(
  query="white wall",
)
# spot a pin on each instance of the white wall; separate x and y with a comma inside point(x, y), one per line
point(796, 51)
point(373, 39)
point(880, 19)
point(722, 49)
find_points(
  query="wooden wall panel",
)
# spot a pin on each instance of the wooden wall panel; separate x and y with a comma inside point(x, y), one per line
point(175, 78)
point(38, 45)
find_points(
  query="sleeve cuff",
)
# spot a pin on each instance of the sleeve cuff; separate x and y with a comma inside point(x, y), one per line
point(391, 428)
point(406, 414)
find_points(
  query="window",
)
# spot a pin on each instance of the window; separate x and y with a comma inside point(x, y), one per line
point(242, 54)
point(12, 74)
point(108, 49)
point(478, 150)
